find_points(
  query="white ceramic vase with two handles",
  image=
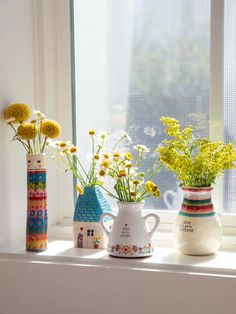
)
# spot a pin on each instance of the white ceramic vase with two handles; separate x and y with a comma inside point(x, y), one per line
point(129, 236)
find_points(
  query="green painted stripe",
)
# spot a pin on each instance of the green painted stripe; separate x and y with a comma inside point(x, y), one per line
point(197, 215)
point(195, 202)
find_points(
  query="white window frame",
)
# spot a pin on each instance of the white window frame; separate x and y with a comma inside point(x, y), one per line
point(60, 22)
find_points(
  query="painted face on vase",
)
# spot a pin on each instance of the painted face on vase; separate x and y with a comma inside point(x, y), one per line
point(36, 161)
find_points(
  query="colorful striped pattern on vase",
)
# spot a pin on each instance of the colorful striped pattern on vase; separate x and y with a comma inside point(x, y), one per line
point(37, 220)
point(197, 202)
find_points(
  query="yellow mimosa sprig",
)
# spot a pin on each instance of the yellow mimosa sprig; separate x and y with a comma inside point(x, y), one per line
point(196, 162)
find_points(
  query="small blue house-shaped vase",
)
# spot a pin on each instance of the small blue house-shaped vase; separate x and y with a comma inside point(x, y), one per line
point(88, 232)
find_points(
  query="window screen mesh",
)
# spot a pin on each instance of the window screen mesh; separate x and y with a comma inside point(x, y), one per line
point(230, 98)
point(137, 61)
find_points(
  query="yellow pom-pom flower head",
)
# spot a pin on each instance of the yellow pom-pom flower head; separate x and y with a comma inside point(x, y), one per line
point(50, 128)
point(17, 113)
point(27, 131)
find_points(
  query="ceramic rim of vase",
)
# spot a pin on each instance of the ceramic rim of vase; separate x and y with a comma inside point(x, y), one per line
point(130, 203)
point(197, 189)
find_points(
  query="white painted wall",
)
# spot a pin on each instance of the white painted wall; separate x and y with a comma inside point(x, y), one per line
point(35, 69)
point(16, 84)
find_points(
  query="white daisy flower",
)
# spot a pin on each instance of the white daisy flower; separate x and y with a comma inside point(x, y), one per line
point(142, 148)
point(126, 135)
point(150, 131)
point(103, 135)
point(38, 114)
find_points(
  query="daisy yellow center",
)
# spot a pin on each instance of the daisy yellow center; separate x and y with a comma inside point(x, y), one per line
point(92, 132)
point(73, 150)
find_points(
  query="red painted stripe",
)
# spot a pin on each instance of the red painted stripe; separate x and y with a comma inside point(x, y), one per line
point(197, 208)
point(205, 189)
point(37, 171)
point(37, 198)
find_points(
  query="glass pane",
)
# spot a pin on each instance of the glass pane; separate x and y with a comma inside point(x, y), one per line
point(137, 60)
point(230, 98)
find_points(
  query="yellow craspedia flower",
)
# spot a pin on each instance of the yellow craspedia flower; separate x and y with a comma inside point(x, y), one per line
point(129, 156)
point(151, 187)
point(105, 164)
point(50, 128)
point(19, 113)
point(92, 132)
point(27, 131)
point(79, 189)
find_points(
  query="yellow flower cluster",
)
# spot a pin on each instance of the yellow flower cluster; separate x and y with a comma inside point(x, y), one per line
point(17, 113)
point(68, 154)
point(123, 168)
point(152, 188)
point(50, 128)
point(27, 131)
point(196, 163)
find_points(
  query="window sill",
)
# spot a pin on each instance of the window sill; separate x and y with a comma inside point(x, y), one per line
point(164, 259)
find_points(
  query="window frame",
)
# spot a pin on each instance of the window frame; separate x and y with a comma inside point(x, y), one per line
point(216, 112)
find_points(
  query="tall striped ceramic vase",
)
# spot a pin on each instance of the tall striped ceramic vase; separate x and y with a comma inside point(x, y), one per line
point(37, 220)
point(197, 229)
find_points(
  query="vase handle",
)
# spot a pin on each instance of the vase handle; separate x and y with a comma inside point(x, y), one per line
point(157, 221)
point(102, 222)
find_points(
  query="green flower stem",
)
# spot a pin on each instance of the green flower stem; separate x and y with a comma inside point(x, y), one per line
point(24, 145)
point(30, 149)
point(80, 164)
point(91, 173)
point(128, 183)
point(44, 143)
point(34, 145)
point(109, 193)
point(118, 142)
point(155, 171)
point(74, 169)
point(152, 166)
point(141, 197)
point(39, 136)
